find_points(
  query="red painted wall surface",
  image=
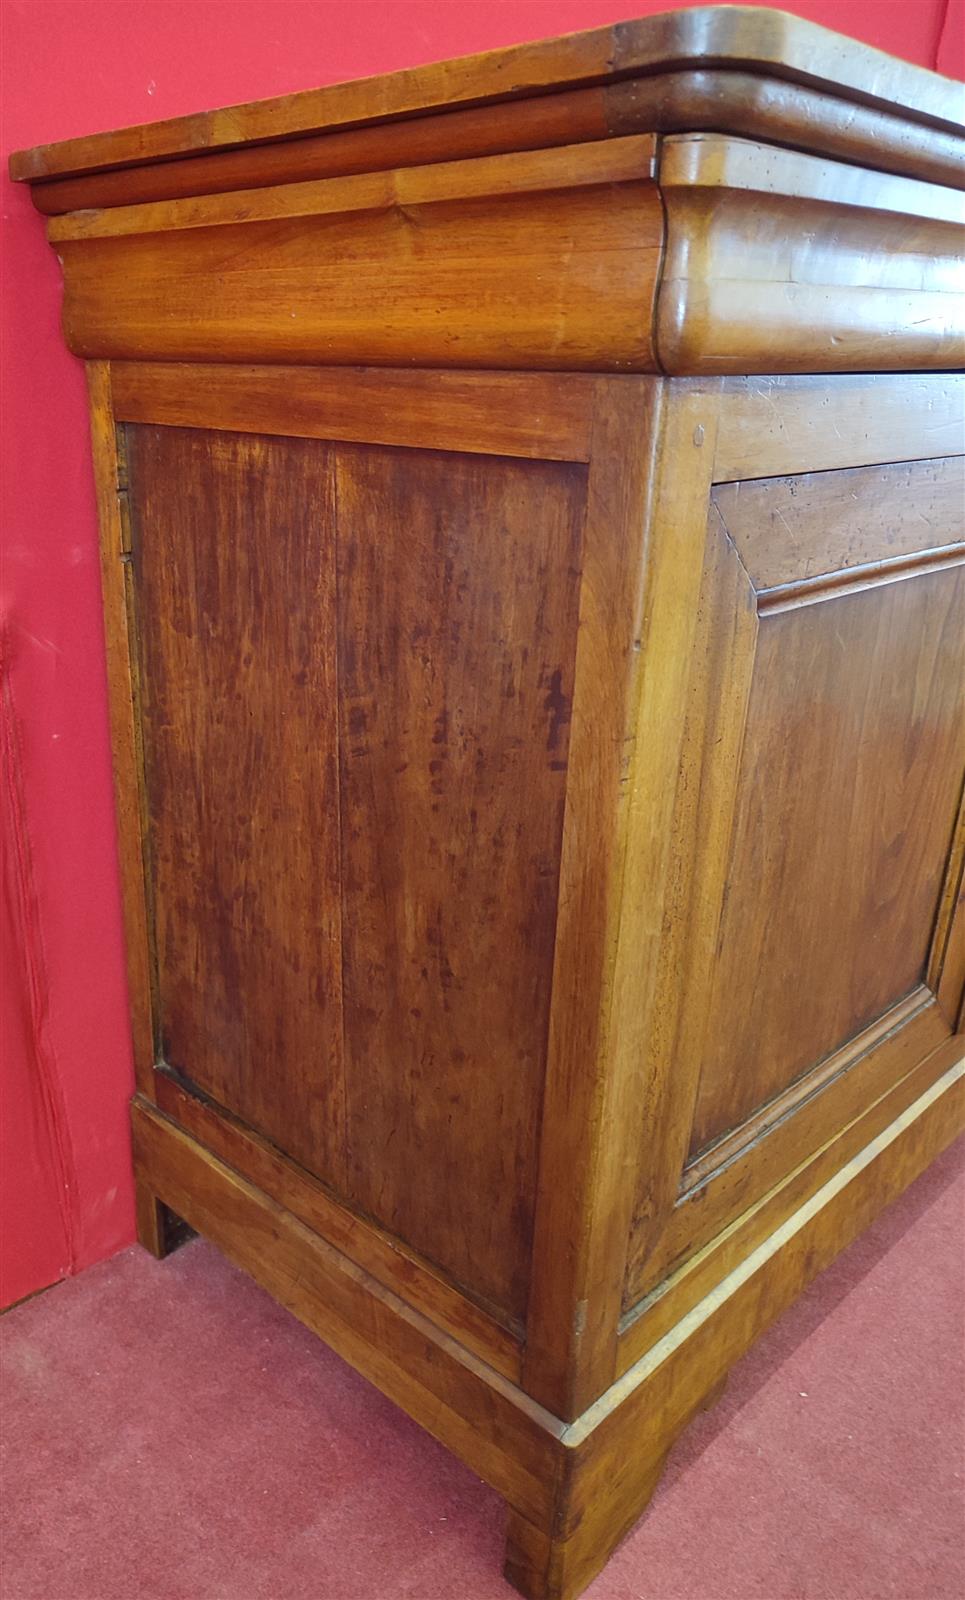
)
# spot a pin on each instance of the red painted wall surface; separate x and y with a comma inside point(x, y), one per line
point(75, 67)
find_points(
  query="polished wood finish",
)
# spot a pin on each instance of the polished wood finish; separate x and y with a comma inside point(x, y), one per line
point(717, 101)
point(770, 46)
point(811, 279)
point(456, 640)
point(764, 775)
point(540, 792)
point(631, 263)
point(773, 427)
point(547, 259)
point(234, 847)
point(503, 414)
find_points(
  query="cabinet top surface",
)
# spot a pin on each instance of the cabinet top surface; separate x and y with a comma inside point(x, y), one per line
point(770, 46)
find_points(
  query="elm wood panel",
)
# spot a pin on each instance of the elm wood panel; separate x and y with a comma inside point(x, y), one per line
point(308, 1200)
point(769, 44)
point(512, 1443)
point(579, 1243)
point(775, 426)
point(560, 279)
point(459, 583)
point(774, 263)
point(664, 102)
point(850, 779)
point(799, 532)
point(234, 574)
point(618, 1445)
point(548, 416)
point(625, 160)
point(126, 751)
point(680, 1288)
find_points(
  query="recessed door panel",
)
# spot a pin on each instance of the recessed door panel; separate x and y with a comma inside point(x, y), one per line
point(825, 751)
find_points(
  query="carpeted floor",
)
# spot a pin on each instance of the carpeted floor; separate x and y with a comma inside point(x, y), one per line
point(171, 1434)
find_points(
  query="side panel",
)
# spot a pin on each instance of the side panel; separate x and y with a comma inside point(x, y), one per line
point(356, 674)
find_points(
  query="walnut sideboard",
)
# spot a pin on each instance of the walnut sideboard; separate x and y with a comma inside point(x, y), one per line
point(530, 493)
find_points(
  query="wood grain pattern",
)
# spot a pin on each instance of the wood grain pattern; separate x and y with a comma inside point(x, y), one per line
point(577, 1246)
point(680, 1289)
point(834, 936)
point(562, 278)
point(713, 637)
point(543, 122)
point(385, 1257)
point(574, 1491)
point(126, 750)
point(768, 44)
point(689, 101)
point(729, 1178)
point(628, 160)
point(946, 964)
point(821, 532)
point(508, 1439)
point(548, 417)
point(840, 269)
point(235, 569)
point(457, 633)
point(775, 426)
point(476, 277)
point(609, 1482)
point(717, 162)
point(541, 791)
point(776, 1037)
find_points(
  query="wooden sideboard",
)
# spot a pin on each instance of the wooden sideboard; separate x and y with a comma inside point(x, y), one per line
point(530, 493)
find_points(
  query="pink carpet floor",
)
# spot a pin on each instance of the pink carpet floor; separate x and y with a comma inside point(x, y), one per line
point(171, 1434)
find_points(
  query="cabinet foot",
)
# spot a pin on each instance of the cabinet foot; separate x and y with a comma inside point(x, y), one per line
point(590, 1522)
point(159, 1229)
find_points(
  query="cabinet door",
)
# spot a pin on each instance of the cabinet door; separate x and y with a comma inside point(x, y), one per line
point(817, 956)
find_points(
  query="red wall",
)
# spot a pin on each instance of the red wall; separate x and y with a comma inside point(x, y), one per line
point(74, 67)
